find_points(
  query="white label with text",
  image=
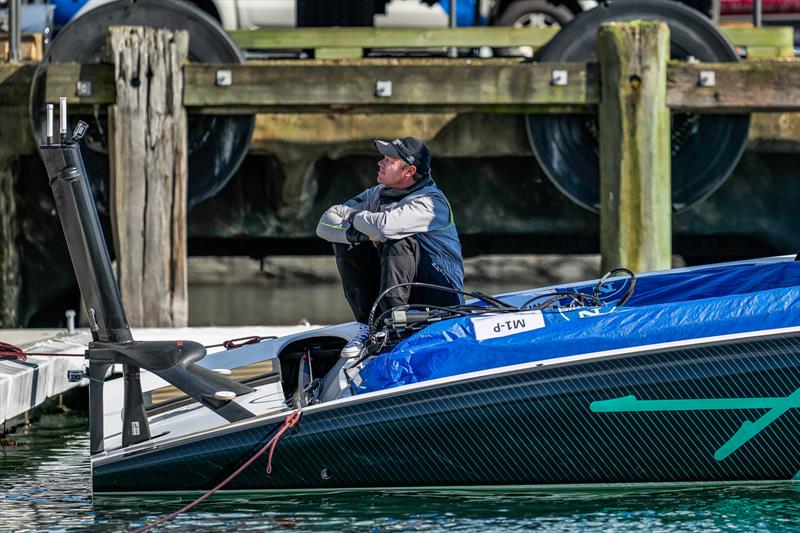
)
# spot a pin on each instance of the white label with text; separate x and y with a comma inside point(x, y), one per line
point(491, 327)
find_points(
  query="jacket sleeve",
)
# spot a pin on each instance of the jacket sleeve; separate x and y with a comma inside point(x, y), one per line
point(420, 215)
point(333, 225)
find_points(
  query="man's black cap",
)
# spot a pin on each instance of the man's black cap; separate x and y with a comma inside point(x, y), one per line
point(411, 150)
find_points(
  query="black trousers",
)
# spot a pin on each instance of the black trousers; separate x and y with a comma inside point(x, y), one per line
point(368, 269)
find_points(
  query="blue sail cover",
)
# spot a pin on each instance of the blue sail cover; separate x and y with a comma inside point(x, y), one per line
point(664, 307)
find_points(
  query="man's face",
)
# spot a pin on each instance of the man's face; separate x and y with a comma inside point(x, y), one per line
point(395, 173)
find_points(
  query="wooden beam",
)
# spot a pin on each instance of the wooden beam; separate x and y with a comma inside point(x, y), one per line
point(773, 36)
point(149, 172)
point(427, 86)
point(15, 83)
point(635, 195)
point(62, 80)
point(738, 87)
point(302, 38)
point(32, 47)
point(432, 83)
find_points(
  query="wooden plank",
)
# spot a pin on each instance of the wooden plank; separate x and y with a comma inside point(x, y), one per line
point(300, 38)
point(31, 46)
point(442, 83)
point(149, 172)
point(775, 36)
point(62, 80)
point(739, 87)
point(431, 85)
point(341, 52)
point(635, 195)
point(15, 83)
point(758, 52)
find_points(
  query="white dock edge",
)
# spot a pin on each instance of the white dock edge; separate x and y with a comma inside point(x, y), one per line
point(25, 385)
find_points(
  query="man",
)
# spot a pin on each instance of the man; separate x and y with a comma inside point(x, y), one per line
point(397, 232)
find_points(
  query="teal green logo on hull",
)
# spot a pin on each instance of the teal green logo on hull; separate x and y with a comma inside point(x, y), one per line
point(776, 407)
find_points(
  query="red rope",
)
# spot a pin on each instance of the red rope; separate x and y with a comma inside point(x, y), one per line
point(9, 351)
point(290, 421)
point(234, 343)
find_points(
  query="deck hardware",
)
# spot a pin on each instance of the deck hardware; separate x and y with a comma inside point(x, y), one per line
point(707, 78)
point(383, 88)
point(50, 137)
point(224, 395)
point(224, 78)
point(74, 376)
point(62, 117)
point(80, 130)
point(70, 314)
point(83, 88)
point(559, 78)
point(222, 371)
point(93, 320)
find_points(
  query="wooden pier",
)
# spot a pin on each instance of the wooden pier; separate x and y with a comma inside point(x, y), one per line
point(341, 82)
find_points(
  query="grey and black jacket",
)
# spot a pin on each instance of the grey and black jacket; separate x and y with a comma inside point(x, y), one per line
point(422, 211)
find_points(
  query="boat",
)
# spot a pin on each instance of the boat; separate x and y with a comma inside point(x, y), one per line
point(681, 376)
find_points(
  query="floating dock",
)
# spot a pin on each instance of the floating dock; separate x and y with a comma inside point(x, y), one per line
point(25, 385)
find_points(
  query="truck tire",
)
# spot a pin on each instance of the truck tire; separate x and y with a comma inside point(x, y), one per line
point(705, 148)
point(216, 144)
point(521, 13)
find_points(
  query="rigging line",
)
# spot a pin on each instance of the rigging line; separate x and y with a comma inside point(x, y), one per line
point(289, 422)
point(10, 351)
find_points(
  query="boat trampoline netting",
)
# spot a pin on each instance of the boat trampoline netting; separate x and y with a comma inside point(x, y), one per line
point(663, 308)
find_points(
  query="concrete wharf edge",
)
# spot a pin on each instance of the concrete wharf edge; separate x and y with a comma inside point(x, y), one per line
point(26, 385)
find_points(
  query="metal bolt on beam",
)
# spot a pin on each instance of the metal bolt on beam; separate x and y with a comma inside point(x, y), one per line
point(559, 77)
point(707, 78)
point(224, 78)
point(383, 88)
point(83, 88)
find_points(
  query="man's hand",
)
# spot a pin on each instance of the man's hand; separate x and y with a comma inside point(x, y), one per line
point(349, 216)
point(354, 236)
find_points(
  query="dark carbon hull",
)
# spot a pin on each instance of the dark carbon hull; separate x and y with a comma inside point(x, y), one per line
point(708, 413)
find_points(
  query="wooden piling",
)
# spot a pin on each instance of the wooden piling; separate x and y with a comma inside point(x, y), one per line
point(9, 259)
point(635, 184)
point(14, 141)
point(149, 172)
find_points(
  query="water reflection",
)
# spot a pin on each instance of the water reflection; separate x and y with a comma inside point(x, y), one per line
point(44, 484)
point(238, 304)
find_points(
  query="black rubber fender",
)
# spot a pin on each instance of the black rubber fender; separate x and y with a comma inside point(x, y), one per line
point(705, 148)
point(216, 143)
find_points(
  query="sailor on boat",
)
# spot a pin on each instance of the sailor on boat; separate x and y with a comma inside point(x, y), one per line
point(399, 231)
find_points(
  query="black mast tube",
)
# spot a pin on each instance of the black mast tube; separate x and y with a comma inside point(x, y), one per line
point(85, 241)
point(90, 260)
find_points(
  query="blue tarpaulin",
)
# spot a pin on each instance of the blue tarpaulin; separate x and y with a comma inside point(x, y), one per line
point(664, 307)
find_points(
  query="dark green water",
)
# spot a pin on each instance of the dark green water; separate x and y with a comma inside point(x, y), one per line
point(44, 485)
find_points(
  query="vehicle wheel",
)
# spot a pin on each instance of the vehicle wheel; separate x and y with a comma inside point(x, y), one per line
point(534, 14)
point(531, 14)
point(216, 144)
point(705, 148)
